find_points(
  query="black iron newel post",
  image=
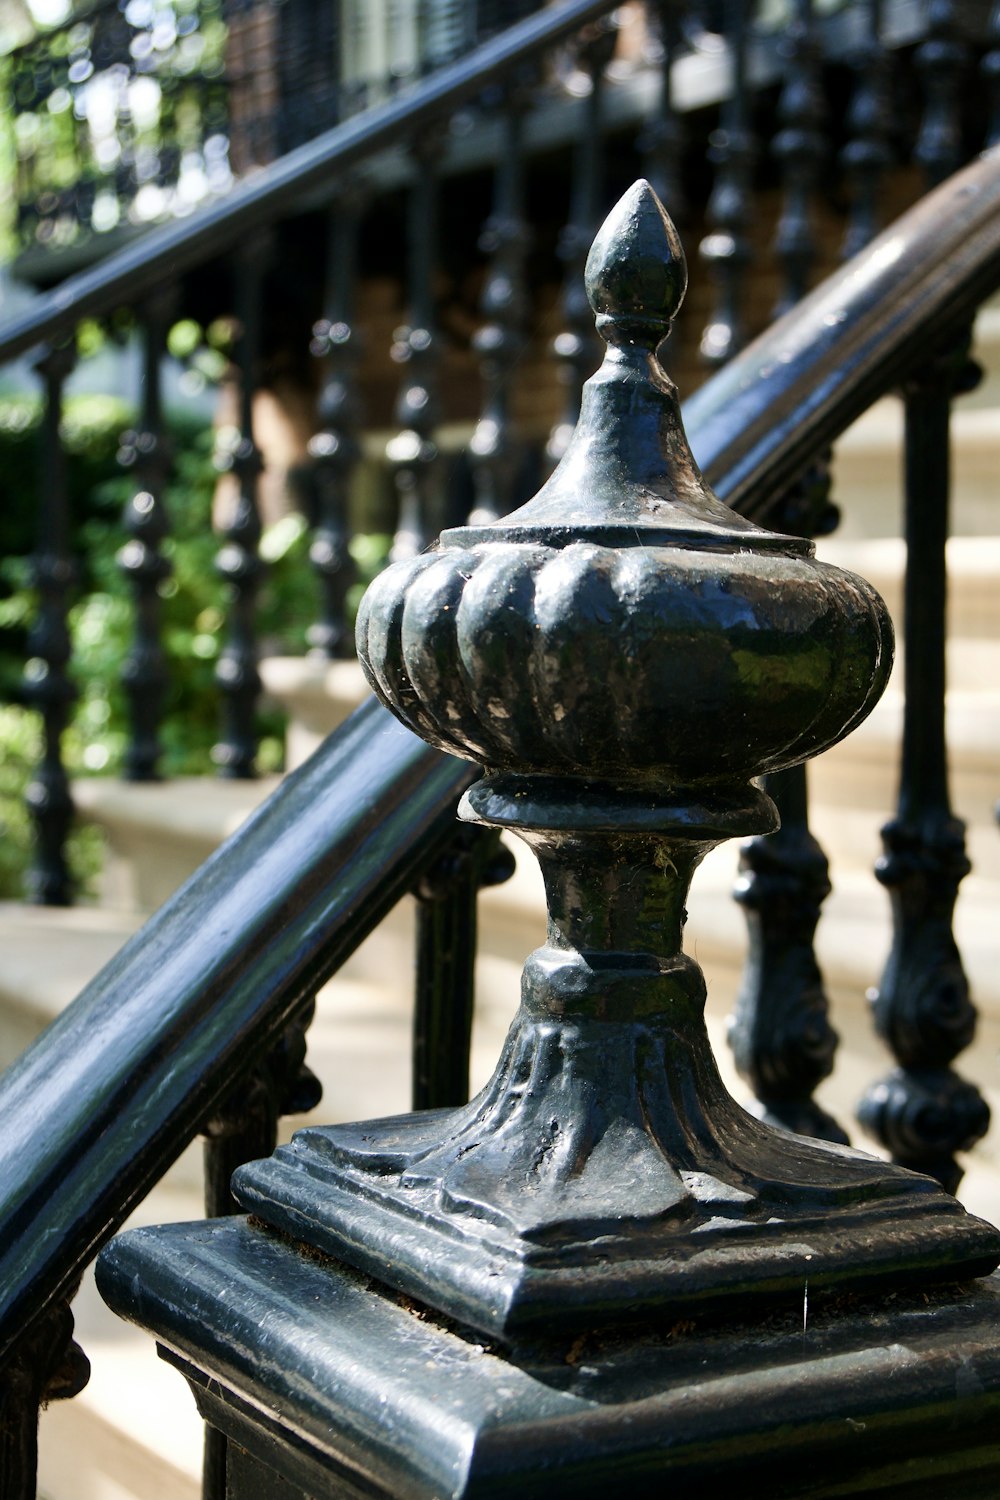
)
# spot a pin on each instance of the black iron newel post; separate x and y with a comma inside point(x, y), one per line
point(593, 650)
point(625, 657)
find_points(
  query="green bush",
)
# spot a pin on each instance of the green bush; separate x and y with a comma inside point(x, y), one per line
point(194, 610)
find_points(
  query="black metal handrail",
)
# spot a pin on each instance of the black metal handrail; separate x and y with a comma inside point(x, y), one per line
point(165, 253)
point(127, 1075)
point(129, 1072)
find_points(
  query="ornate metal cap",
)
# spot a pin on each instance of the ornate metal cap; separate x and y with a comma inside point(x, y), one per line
point(625, 629)
point(624, 656)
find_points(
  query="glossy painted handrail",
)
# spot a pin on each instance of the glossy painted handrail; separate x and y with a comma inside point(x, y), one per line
point(109, 1094)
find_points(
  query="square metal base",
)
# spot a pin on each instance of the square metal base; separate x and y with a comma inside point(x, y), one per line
point(344, 1390)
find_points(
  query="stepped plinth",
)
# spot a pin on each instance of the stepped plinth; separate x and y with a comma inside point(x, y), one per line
point(601, 1264)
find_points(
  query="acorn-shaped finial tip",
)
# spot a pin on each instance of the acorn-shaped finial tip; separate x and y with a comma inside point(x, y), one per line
point(636, 272)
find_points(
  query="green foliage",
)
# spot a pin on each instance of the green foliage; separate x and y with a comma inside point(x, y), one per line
point(194, 610)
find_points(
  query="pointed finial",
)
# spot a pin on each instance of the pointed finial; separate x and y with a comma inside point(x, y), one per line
point(636, 272)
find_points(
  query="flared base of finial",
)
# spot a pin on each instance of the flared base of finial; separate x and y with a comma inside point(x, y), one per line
point(605, 1176)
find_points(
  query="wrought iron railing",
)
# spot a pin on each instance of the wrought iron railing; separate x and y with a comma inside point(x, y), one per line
point(757, 427)
point(290, 895)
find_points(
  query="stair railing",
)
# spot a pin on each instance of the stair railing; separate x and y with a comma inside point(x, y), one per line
point(203, 997)
point(329, 173)
point(136, 277)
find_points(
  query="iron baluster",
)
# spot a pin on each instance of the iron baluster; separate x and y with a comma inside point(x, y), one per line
point(446, 958)
point(243, 1128)
point(47, 685)
point(238, 560)
point(575, 346)
point(147, 452)
point(799, 148)
point(866, 157)
point(412, 451)
point(493, 451)
point(924, 1112)
point(246, 1125)
point(780, 1034)
point(661, 143)
point(941, 60)
point(45, 1365)
point(334, 449)
point(726, 248)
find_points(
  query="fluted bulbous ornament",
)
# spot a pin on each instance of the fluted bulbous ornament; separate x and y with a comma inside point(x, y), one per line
point(625, 657)
point(625, 629)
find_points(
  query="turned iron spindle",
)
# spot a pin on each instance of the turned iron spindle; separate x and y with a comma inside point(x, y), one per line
point(238, 559)
point(924, 1112)
point(661, 142)
point(781, 1037)
point(412, 451)
point(942, 60)
point(574, 347)
point(726, 248)
point(47, 684)
point(494, 452)
point(447, 897)
point(799, 148)
point(866, 157)
point(335, 449)
point(46, 1364)
point(780, 1034)
point(146, 451)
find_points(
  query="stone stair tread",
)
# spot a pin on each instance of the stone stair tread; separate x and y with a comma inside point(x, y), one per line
point(312, 677)
point(47, 954)
point(204, 808)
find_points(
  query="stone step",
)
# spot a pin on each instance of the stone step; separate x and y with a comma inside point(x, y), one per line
point(317, 695)
point(158, 833)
